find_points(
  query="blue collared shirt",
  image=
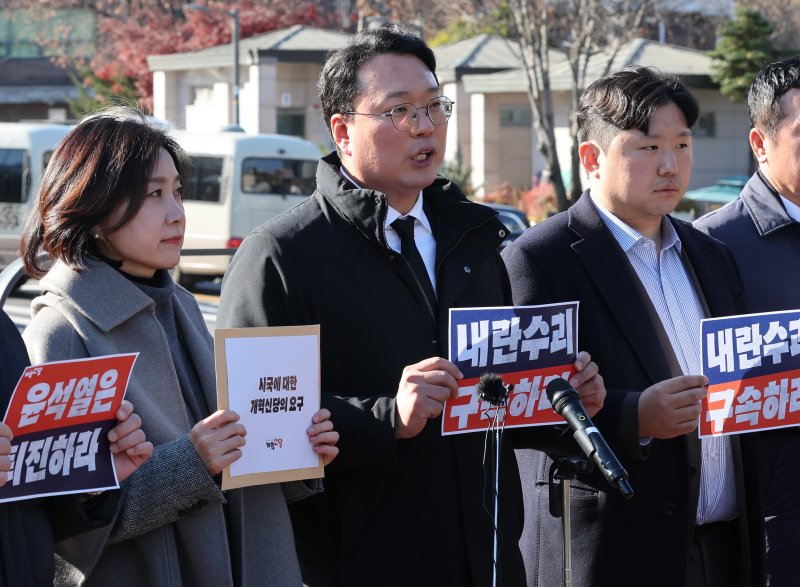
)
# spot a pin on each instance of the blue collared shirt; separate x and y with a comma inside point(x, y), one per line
point(792, 209)
point(672, 293)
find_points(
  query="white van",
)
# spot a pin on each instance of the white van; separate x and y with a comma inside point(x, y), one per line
point(237, 182)
point(25, 149)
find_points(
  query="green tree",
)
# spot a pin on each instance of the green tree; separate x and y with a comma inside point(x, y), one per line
point(744, 47)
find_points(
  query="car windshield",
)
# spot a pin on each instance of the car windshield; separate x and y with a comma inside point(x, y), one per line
point(512, 221)
point(261, 175)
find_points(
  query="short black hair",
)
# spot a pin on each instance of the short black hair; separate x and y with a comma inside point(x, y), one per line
point(338, 83)
point(763, 100)
point(627, 99)
point(103, 163)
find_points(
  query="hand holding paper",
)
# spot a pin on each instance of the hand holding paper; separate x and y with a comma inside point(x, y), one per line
point(217, 440)
point(323, 437)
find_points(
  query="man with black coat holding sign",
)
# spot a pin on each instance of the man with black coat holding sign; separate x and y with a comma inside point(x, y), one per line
point(403, 505)
point(644, 281)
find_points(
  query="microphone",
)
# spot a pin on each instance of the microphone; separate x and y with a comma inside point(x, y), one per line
point(567, 404)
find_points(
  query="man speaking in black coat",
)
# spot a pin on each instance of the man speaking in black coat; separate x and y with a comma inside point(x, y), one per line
point(377, 256)
point(644, 281)
point(762, 230)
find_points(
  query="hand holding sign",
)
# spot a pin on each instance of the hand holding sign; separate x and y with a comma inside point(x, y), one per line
point(670, 408)
point(588, 382)
point(424, 387)
point(528, 346)
point(127, 441)
point(6, 437)
point(61, 414)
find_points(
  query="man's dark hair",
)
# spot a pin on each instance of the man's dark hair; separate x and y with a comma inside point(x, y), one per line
point(770, 84)
point(338, 82)
point(627, 99)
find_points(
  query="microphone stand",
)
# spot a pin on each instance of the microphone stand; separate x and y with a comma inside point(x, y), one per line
point(562, 472)
point(491, 389)
point(496, 428)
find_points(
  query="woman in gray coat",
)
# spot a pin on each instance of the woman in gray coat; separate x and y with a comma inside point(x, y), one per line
point(110, 215)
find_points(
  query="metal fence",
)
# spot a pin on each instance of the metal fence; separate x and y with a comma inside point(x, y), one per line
point(14, 272)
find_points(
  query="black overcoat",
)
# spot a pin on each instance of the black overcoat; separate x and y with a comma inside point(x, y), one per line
point(643, 541)
point(409, 512)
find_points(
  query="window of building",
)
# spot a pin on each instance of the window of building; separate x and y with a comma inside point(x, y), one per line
point(46, 32)
point(706, 125)
point(292, 123)
point(515, 116)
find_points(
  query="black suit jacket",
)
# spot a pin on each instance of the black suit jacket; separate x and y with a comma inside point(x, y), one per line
point(644, 541)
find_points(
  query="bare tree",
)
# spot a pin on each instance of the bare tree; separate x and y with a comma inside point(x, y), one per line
point(430, 15)
point(784, 16)
point(592, 31)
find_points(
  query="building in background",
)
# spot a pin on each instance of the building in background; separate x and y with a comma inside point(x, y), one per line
point(491, 127)
point(278, 94)
point(31, 86)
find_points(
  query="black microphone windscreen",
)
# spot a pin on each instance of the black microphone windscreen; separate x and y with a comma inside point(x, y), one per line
point(490, 388)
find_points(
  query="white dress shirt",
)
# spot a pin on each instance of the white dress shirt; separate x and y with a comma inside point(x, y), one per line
point(423, 233)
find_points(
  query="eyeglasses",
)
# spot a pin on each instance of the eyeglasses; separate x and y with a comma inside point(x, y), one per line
point(406, 116)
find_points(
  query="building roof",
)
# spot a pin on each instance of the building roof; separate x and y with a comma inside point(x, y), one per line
point(32, 71)
point(34, 80)
point(690, 64)
point(482, 54)
point(296, 43)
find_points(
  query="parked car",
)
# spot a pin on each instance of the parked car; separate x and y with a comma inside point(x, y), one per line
point(25, 149)
point(697, 202)
point(515, 220)
point(237, 182)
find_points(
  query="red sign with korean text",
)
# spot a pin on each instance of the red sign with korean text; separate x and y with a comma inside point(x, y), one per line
point(526, 346)
point(60, 414)
point(753, 366)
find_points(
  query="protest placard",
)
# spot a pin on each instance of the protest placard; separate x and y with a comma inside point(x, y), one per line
point(270, 376)
point(527, 346)
point(753, 367)
point(60, 415)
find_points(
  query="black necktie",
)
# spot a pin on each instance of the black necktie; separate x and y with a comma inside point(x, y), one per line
point(408, 248)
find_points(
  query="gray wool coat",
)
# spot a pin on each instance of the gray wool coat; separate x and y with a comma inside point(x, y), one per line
point(171, 526)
